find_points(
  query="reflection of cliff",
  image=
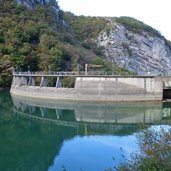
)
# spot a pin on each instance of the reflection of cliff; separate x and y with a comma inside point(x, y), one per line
point(115, 113)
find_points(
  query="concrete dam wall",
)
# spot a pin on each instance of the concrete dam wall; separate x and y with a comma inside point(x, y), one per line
point(91, 88)
point(119, 88)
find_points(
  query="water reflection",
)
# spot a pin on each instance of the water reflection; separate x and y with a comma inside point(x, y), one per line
point(26, 145)
point(77, 113)
point(45, 135)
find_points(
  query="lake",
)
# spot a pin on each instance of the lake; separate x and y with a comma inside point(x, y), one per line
point(52, 135)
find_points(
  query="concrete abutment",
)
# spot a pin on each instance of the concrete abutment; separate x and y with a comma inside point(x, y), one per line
point(92, 88)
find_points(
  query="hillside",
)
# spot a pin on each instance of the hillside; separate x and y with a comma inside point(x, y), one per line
point(35, 35)
point(39, 36)
point(125, 42)
point(138, 47)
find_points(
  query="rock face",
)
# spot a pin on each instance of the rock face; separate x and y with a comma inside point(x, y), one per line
point(139, 53)
point(34, 3)
point(57, 13)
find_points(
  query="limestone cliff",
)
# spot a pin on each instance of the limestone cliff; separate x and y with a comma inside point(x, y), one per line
point(51, 5)
point(34, 3)
point(140, 52)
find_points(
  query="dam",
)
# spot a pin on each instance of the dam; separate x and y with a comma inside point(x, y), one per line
point(90, 86)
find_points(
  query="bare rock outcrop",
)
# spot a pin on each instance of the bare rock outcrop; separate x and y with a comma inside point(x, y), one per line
point(137, 52)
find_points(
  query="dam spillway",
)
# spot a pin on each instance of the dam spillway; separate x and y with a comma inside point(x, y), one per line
point(89, 87)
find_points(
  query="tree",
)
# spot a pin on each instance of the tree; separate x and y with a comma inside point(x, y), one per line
point(155, 151)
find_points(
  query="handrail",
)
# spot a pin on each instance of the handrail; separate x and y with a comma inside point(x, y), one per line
point(72, 73)
point(76, 73)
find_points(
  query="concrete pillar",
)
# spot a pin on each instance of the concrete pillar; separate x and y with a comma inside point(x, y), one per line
point(24, 80)
point(31, 81)
point(13, 80)
point(44, 82)
point(145, 86)
point(16, 80)
point(58, 82)
point(158, 87)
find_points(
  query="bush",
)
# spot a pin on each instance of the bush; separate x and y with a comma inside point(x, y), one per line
point(155, 151)
point(68, 82)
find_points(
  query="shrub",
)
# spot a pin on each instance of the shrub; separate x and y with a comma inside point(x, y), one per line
point(155, 151)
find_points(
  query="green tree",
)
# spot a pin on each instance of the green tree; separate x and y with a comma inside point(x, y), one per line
point(155, 151)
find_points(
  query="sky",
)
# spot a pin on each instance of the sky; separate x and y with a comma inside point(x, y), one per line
point(155, 13)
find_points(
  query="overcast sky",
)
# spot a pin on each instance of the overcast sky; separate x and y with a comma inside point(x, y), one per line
point(156, 13)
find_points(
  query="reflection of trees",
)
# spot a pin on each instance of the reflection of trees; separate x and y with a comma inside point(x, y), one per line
point(29, 145)
point(26, 144)
point(5, 102)
point(155, 151)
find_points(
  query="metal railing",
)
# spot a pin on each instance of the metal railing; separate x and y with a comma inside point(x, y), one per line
point(84, 73)
point(53, 73)
point(78, 73)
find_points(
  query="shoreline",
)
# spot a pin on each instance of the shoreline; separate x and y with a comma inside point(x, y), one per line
point(4, 88)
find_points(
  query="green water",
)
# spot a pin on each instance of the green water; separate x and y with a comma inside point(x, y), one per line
point(47, 135)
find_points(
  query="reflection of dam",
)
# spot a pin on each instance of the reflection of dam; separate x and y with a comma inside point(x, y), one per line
point(121, 113)
point(29, 142)
point(106, 113)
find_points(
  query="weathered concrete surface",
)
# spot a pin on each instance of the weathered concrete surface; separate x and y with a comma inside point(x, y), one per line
point(120, 88)
point(116, 88)
point(31, 81)
point(45, 92)
point(44, 82)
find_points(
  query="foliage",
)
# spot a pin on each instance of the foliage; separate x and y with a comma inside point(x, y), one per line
point(68, 82)
point(26, 34)
point(105, 66)
point(37, 36)
point(168, 42)
point(122, 71)
point(137, 26)
point(155, 152)
point(5, 65)
point(86, 27)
